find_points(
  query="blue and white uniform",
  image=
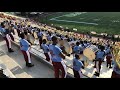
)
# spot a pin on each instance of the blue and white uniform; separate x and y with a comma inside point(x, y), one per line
point(40, 34)
point(77, 65)
point(2, 31)
point(81, 47)
point(46, 51)
point(8, 38)
point(25, 46)
point(55, 51)
point(76, 49)
point(57, 61)
point(45, 48)
point(116, 68)
point(48, 37)
point(107, 50)
point(100, 55)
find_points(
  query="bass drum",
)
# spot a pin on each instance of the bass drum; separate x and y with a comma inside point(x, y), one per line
point(66, 45)
point(35, 35)
point(30, 38)
point(90, 51)
point(44, 37)
point(85, 59)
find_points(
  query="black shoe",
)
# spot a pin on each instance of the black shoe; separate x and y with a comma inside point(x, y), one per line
point(30, 65)
point(110, 67)
point(10, 50)
point(94, 66)
point(96, 74)
point(68, 55)
point(27, 64)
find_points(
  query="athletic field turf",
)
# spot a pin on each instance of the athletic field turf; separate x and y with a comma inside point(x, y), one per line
point(100, 22)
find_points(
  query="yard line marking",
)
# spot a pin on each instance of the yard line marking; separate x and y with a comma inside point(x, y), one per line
point(73, 21)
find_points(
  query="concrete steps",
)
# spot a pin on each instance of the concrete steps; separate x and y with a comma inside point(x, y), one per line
point(15, 68)
point(16, 64)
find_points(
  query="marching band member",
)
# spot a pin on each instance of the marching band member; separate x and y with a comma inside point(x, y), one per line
point(57, 58)
point(2, 30)
point(107, 49)
point(11, 30)
point(100, 55)
point(45, 49)
point(108, 59)
point(6, 36)
point(83, 58)
point(77, 66)
point(116, 71)
point(40, 36)
point(8, 40)
point(25, 46)
point(18, 29)
point(27, 37)
point(82, 47)
point(49, 38)
point(76, 48)
point(98, 46)
point(85, 44)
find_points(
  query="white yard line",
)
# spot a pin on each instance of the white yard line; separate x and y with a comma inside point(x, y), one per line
point(74, 21)
point(56, 19)
point(62, 16)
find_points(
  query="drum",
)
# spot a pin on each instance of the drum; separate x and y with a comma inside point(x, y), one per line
point(90, 51)
point(44, 37)
point(49, 42)
point(35, 35)
point(85, 59)
point(31, 38)
point(67, 46)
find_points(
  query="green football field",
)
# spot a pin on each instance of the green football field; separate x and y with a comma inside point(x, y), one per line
point(100, 22)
